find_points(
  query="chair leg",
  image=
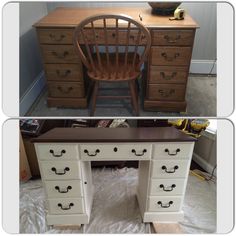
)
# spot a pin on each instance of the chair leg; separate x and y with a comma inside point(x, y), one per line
point(94, 98)
point(134, 99)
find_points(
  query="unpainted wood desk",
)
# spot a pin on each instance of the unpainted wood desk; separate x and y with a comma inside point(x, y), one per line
point(65, 155)
point(167, 66)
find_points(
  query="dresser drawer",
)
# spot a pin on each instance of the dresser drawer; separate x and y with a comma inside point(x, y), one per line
point(167, 187)
point(59, 54)
point(170, 168)
point(168, 75)
point(64, 72)
point(65, 89)
point(63, 188)
point(115, 151)
point(55, 36)
point(172, 37)
point(173, 151)
point(54, 151)
point(166, 92)
point(175, 56)
point(66, 206)
point(165, 204)
point(60, 170)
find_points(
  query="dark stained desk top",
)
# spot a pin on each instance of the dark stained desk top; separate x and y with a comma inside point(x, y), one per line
point(91, 135)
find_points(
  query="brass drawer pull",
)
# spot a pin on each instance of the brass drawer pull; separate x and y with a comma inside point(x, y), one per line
point(66, 72)
point(65, 91)
point(139, 154)
point(57, 155)
point(60, 173)
point(92, 154)
point(170, 171)
point(65, 208)
point(169, 58)
point(54, 38)
point(61, 56)
point(165, 205)
point(172, 40)
point(63, 191)
point(166, 94)
point(167, 189)
point(168, 77)
point(172, 154)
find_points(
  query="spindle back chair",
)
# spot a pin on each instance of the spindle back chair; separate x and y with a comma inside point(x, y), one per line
point(113, 49)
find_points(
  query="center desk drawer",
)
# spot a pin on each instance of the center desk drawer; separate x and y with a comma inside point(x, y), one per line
point(55, 151)
point(60, 170)
point(175, 56)
point(115, 151)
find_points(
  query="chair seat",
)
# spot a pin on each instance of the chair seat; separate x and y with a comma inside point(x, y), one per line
point(110, 72)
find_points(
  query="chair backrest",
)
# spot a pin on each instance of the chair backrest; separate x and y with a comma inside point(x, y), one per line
point(111, 34)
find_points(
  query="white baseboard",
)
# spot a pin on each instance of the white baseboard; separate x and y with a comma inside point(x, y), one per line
point(32, 93)
point(203, 66)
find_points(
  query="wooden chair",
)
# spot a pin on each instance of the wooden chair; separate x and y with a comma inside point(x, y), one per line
point(109, 46)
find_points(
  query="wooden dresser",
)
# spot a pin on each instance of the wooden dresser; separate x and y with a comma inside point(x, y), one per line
point(65, 155)
point(167, 66)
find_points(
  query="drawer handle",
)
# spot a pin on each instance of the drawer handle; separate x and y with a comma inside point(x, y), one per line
point(62, 90)
point(62, 75)
point(63, 191)
point(169, 171)
point(113, 35)
point(65, 208)
point(139, 154)
point(174, 153)
point(167, 205)
point(61, 56)
point(57, 155)
point(169, 58)
point(172, 40)
point(115, 149)
point(166, 93)
point(90, 154)
point(168, 77)
point(54, 38)
point(60, 173)
point(168, 189)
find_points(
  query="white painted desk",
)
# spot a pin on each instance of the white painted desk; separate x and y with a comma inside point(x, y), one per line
point(65, 155)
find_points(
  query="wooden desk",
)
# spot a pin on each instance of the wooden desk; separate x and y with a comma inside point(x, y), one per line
point(166, 69)
point(65, 155)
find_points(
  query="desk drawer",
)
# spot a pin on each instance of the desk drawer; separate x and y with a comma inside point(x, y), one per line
point(166, 92)
point(173, 151)
point(168, 187)
point(65, 90)
point(55, 36)
point(165, 204)
point(63, 188)
point(66, 206)
point(170, 168)
point(172, 37)
point(175, 56)
point(168, 75)
point(115, 151)
point(60, 170)
point(64, 72)
point(53, 151)
point(59, 54)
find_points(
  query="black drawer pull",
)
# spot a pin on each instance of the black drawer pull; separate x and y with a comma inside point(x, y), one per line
point(60, 173)
point(139, 154)
point(57, 155)
point(54, 38)
point(172, 39)
point(63, 191)
point(65, 91)
point(62, 75)
point(168, 77)
point(65, 208)
point(169, 171)
point(165, 205)
point(174, 153)
point(90, 154)
point(170, 58)
point(115, 149)
point(60, 55)
point(166, 93)
point(167, 189)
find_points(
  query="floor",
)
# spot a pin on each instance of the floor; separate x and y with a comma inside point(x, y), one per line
point(115, 207)
point(201, 100)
